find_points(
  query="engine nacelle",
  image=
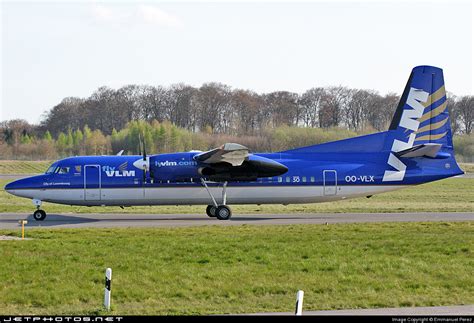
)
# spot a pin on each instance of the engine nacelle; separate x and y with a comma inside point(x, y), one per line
point(250, 170)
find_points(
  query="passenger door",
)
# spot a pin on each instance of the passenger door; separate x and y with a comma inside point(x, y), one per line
point(330, 182)
point(92, 183)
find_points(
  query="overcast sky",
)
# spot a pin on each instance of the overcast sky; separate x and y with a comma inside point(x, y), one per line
point(52, 50)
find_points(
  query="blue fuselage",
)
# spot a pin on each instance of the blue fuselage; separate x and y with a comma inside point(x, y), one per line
point(319, 173)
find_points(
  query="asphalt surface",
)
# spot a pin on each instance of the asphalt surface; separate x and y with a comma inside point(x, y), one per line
point(10, 220)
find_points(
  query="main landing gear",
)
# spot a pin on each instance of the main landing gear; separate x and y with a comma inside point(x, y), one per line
point(221, 212)
point(38, 215)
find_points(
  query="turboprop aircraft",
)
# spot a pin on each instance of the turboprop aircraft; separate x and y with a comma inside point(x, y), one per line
point(417, 149)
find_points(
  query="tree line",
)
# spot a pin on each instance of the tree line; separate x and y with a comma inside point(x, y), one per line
point(217, 108)
point(182, 117)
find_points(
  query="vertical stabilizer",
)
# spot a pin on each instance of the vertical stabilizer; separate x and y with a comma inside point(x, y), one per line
point(421, 122)
point(422, 115)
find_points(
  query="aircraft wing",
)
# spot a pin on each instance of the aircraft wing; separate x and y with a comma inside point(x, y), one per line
point(231, 153)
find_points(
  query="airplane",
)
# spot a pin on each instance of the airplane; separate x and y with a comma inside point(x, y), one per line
point(417, 148)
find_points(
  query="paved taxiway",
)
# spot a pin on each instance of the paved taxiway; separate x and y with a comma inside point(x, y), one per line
point(10, 220)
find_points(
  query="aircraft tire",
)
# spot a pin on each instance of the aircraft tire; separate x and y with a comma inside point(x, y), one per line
point(39, 215)
point(223, 212)
point(211, 211)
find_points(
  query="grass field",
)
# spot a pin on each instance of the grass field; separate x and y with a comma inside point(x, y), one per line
point(450, 195)
point(245, 269)
point(8, 167)
point(467, 167)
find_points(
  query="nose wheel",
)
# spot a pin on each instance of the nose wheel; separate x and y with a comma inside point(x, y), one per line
point(39, 215)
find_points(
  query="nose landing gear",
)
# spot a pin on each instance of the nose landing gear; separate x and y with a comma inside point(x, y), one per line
point(38, 215)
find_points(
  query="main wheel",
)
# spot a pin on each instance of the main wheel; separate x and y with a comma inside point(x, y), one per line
point(39, 215)
point(211, 211)
point(223, 212)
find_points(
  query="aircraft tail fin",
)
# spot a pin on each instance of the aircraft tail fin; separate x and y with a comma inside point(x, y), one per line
point(422, 115)
point(421, 128)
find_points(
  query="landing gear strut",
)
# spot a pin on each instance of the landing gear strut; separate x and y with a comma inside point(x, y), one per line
point(38, 215)
point(221, 212)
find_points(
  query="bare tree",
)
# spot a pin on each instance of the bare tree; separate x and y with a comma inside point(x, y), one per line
point(67, 114)
point(310, 103)
point(283, 107)
point(213, 100)
point(182, 112)
point(453, 112)
point(247, 106)
point(335, 101)
point(465, 108)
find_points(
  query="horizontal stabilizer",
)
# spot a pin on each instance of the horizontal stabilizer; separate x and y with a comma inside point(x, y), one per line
point(423, 150)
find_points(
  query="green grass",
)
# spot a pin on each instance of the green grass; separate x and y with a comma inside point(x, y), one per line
point(8, 167)
point(450, 195)
point(467, 167)
point(244, 269)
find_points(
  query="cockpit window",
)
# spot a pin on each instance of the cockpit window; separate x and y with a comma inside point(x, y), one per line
point(63, 170)
point(51, 169)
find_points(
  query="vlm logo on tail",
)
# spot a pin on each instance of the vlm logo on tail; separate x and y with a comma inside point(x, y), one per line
point(409, 121)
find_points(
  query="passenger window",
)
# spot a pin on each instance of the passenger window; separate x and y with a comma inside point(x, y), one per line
point(304, 179)
point(77, 169)
point(312, 179)
point(288, 179)
point(280, 179)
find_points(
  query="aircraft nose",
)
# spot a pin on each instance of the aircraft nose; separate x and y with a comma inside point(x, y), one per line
point(23, 186)
point(10, 187)
point(14, 186)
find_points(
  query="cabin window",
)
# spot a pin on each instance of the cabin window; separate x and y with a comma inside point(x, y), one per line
point(303, 179)
point(77, 169)
point(270, 179)
point(288, 179)
point(51, 169)
point(312, 179)
point(280, 179)
point(63, 170)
